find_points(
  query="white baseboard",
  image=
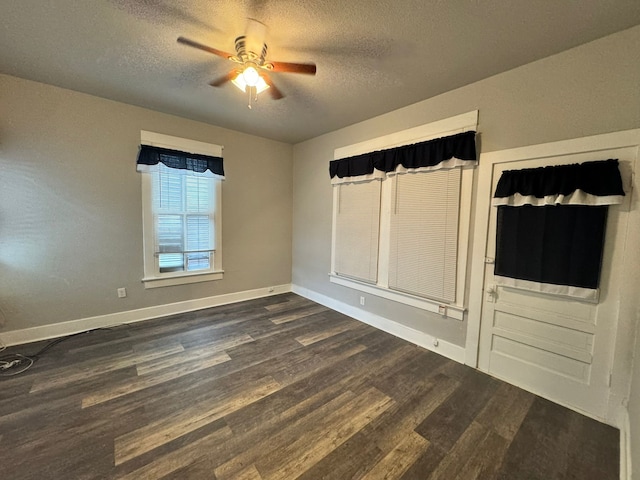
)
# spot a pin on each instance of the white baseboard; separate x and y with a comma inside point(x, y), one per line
point(45, 332)
point(625, 444)
point(446, 349)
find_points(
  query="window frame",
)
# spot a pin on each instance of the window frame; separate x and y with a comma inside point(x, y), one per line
point(450, 126)
point(152, 277)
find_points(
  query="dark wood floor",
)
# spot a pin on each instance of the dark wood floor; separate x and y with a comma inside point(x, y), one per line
point(280, 388)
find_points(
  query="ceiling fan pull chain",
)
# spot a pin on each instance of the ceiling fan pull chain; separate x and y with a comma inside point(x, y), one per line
point(252, 92)
point(249, 95)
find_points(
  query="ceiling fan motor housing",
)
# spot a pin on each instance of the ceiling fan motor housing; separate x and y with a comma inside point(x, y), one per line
point(246, 53)
point(252, 45)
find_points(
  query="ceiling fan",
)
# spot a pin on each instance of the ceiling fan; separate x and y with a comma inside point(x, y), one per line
point(251, 74)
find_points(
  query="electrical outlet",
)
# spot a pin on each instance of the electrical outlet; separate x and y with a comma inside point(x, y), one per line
point(361, 300)
point(122, 292)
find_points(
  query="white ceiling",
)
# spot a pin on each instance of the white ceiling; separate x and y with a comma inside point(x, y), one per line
point(372, 56)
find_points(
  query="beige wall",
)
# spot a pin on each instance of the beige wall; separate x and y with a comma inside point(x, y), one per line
point(71, 212)
point(587, 90)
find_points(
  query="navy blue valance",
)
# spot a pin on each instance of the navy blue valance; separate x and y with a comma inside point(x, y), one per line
point(589, 183)
point(446, 152)
point(149, 156)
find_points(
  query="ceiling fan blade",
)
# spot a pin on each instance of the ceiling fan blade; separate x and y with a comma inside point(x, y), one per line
point(305, 68)
point(275, 92)
point(218, 82)
point(215, 51)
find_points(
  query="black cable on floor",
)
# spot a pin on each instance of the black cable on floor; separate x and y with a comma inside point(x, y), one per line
point(16, 363)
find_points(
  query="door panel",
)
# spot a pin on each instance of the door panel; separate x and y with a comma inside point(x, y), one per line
point(554, 346)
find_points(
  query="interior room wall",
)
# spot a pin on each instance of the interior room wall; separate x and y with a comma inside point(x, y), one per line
point(71, 211)
point(584, 91)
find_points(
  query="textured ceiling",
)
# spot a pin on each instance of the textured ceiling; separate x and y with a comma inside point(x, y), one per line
point(372, 56)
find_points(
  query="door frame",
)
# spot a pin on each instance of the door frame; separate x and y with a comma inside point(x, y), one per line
point(622, 139)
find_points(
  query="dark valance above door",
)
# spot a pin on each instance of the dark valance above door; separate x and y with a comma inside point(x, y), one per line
point(589, 183)
point(150, 156)
point(447, 152)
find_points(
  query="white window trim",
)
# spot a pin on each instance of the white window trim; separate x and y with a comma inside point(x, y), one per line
point(151, 279)
point(450, 126)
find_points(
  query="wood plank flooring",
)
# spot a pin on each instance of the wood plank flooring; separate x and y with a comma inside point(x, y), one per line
point(279, 388)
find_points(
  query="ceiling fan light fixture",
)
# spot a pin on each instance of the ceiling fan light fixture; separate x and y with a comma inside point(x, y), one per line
point(250, 77)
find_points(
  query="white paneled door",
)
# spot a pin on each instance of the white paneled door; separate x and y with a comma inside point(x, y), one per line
point(556, 347)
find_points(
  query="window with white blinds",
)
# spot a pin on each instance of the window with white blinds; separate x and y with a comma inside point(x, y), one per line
point(356, 230)
point(183, 211)
point(181, 216)
point(424, 233)
point(402, 233)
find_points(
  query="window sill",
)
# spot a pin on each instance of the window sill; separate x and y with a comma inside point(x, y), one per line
point(451, 311)
point(156, 282)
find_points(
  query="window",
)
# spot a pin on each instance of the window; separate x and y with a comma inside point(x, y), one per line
point(402, 234)
point(424, 234)
point(181, 216)
point(357, 225)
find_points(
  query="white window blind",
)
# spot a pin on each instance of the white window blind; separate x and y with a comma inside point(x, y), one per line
point(357, 230)
point(183, 210)
point(424, 233)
